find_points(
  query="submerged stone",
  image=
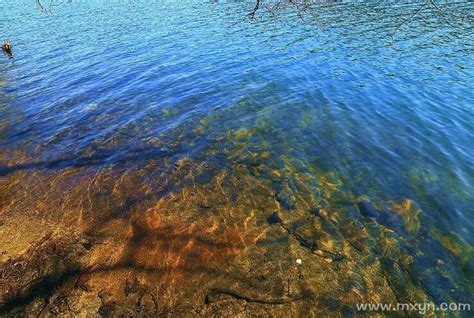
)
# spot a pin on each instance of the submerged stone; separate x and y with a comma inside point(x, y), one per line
point(273, 219)
point(368, 210)
point(314, 211)
point(286, 199)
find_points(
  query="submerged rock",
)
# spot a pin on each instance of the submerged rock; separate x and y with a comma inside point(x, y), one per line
point(273, 219)
point(286, 198)
point(368, 210)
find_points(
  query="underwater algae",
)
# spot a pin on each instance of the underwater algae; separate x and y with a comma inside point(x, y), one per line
point(193, 235)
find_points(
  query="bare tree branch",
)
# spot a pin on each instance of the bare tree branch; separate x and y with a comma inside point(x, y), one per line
point(47, 7)
point(255, 9)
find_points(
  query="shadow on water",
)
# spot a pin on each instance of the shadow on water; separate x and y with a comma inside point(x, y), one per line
point(101, 159)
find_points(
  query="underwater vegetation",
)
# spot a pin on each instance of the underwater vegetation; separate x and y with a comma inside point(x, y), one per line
point(237, 226)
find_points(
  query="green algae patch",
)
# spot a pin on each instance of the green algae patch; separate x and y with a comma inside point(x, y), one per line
point(454, 243)
point(409, 212)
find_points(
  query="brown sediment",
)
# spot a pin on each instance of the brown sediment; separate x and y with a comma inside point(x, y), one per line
point(154, 239)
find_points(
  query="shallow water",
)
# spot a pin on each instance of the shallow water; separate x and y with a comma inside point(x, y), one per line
point(350, 102)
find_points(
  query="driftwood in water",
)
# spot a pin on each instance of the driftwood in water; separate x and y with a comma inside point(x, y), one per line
point(7, 49)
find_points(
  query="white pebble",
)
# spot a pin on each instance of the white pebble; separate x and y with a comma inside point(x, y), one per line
point(299, 261)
